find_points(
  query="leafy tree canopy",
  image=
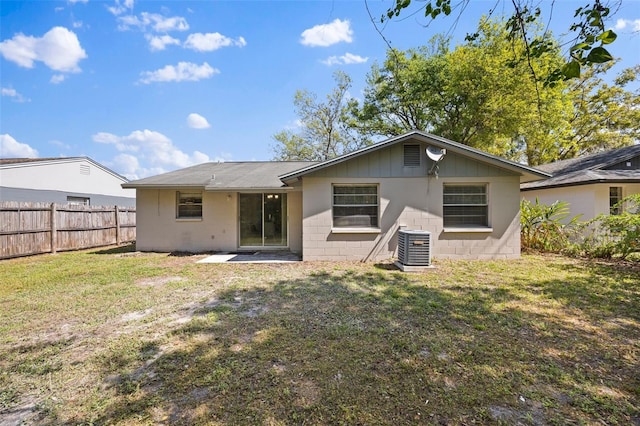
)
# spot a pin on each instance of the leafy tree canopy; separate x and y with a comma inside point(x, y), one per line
point(481, 94)
point(323, 132)
point(588, 47)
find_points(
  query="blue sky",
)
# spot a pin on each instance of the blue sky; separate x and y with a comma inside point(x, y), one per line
point(146, 87)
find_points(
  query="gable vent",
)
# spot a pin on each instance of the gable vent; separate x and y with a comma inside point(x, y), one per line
point(85, 169)
point(412, 155)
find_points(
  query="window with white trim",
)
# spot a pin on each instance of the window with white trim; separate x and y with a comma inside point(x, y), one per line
point(189, 205)
point(615, 196)
point(465, 206)
point(355, 206)
point(79, 201)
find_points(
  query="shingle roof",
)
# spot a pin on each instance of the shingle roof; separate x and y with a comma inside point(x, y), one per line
point(601, 160)
point(31, 160)
point(224, 176)
point(588, 170)
point(584, 177)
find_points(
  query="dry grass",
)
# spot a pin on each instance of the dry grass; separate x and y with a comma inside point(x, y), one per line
point(117, 337)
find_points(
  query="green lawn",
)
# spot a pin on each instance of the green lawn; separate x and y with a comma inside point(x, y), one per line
point(118, 337)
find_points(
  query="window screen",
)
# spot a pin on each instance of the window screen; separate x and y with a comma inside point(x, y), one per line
point(615, 196)
point(465, 205)
point(189, 204)
point(355, 206)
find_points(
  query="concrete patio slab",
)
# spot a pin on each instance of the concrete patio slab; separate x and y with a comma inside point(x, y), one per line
point(252, 257)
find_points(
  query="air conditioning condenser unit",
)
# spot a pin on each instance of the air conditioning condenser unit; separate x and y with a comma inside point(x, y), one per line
point(414, 248)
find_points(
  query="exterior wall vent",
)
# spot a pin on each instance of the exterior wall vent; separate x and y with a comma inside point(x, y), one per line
point(85, 169)
point(414, 247)
point(412, 155)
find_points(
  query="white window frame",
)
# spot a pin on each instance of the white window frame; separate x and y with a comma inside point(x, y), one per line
point(182, 201)
point(470, 226)
point(78, 201)
point(338, 227)
point(615, 199)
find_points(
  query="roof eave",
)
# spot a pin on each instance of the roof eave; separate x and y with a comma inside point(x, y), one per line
point(527, 173)
point(160, 186)
point(582, 183)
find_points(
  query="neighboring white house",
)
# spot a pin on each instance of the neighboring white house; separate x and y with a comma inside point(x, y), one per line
point(592, 184)
point(77, 180)
point(347, 208)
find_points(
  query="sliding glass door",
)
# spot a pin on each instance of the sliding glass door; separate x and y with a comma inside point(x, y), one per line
point(263, 220)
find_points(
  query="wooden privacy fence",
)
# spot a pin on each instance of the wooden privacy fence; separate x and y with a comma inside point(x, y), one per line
point(34, 228)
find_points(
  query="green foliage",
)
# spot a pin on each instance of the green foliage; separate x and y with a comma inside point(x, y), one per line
point(615, 235)
point(323, 131)
point(605, 116)
point(475, 94)
point(587, 47)
point(546, 227)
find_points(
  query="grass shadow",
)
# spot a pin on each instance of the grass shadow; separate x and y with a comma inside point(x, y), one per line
point(382, 347)
point(122, 249)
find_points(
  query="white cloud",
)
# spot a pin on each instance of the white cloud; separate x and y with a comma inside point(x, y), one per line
point(184, 71)
point(153, 149)
point(77, 24)
point(160, 42)
point(196, 121)
point(121, 7)
point(60, 144)
point(156, 21)
point(78, 1)
point(13, 93)
point(211, 41)
point(622, 24)
point(11, 148)
point(346, 59)
point(57, 79)
point(328, 34)
point(59, 49)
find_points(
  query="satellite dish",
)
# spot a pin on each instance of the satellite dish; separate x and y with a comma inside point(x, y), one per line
point(436, 154)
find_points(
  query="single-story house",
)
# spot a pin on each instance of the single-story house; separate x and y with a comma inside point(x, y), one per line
point(347, 208)
point(591, 184)
point(64, 180)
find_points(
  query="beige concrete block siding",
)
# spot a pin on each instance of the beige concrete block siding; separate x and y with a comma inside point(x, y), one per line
point(414, 202)
point(158, 229)
point(587, 200)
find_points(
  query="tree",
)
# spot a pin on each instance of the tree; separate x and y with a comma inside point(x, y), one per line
point(587, 48)
point(605, 115)
point(404, 93)
point(479, 94)
point(474, 94)
point(324, 132)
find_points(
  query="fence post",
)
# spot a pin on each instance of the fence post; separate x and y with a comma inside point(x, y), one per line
point(54, 229)
point(118, 238)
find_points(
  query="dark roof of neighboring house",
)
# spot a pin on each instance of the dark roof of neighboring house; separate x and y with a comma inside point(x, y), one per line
point(589, 169)
point(600, 160)
point(223, 176)
point(527, 173)
point(27, 160)
point(17, 162)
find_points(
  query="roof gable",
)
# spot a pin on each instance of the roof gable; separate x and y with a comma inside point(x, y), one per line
point(527, 173)
point(8, 163)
